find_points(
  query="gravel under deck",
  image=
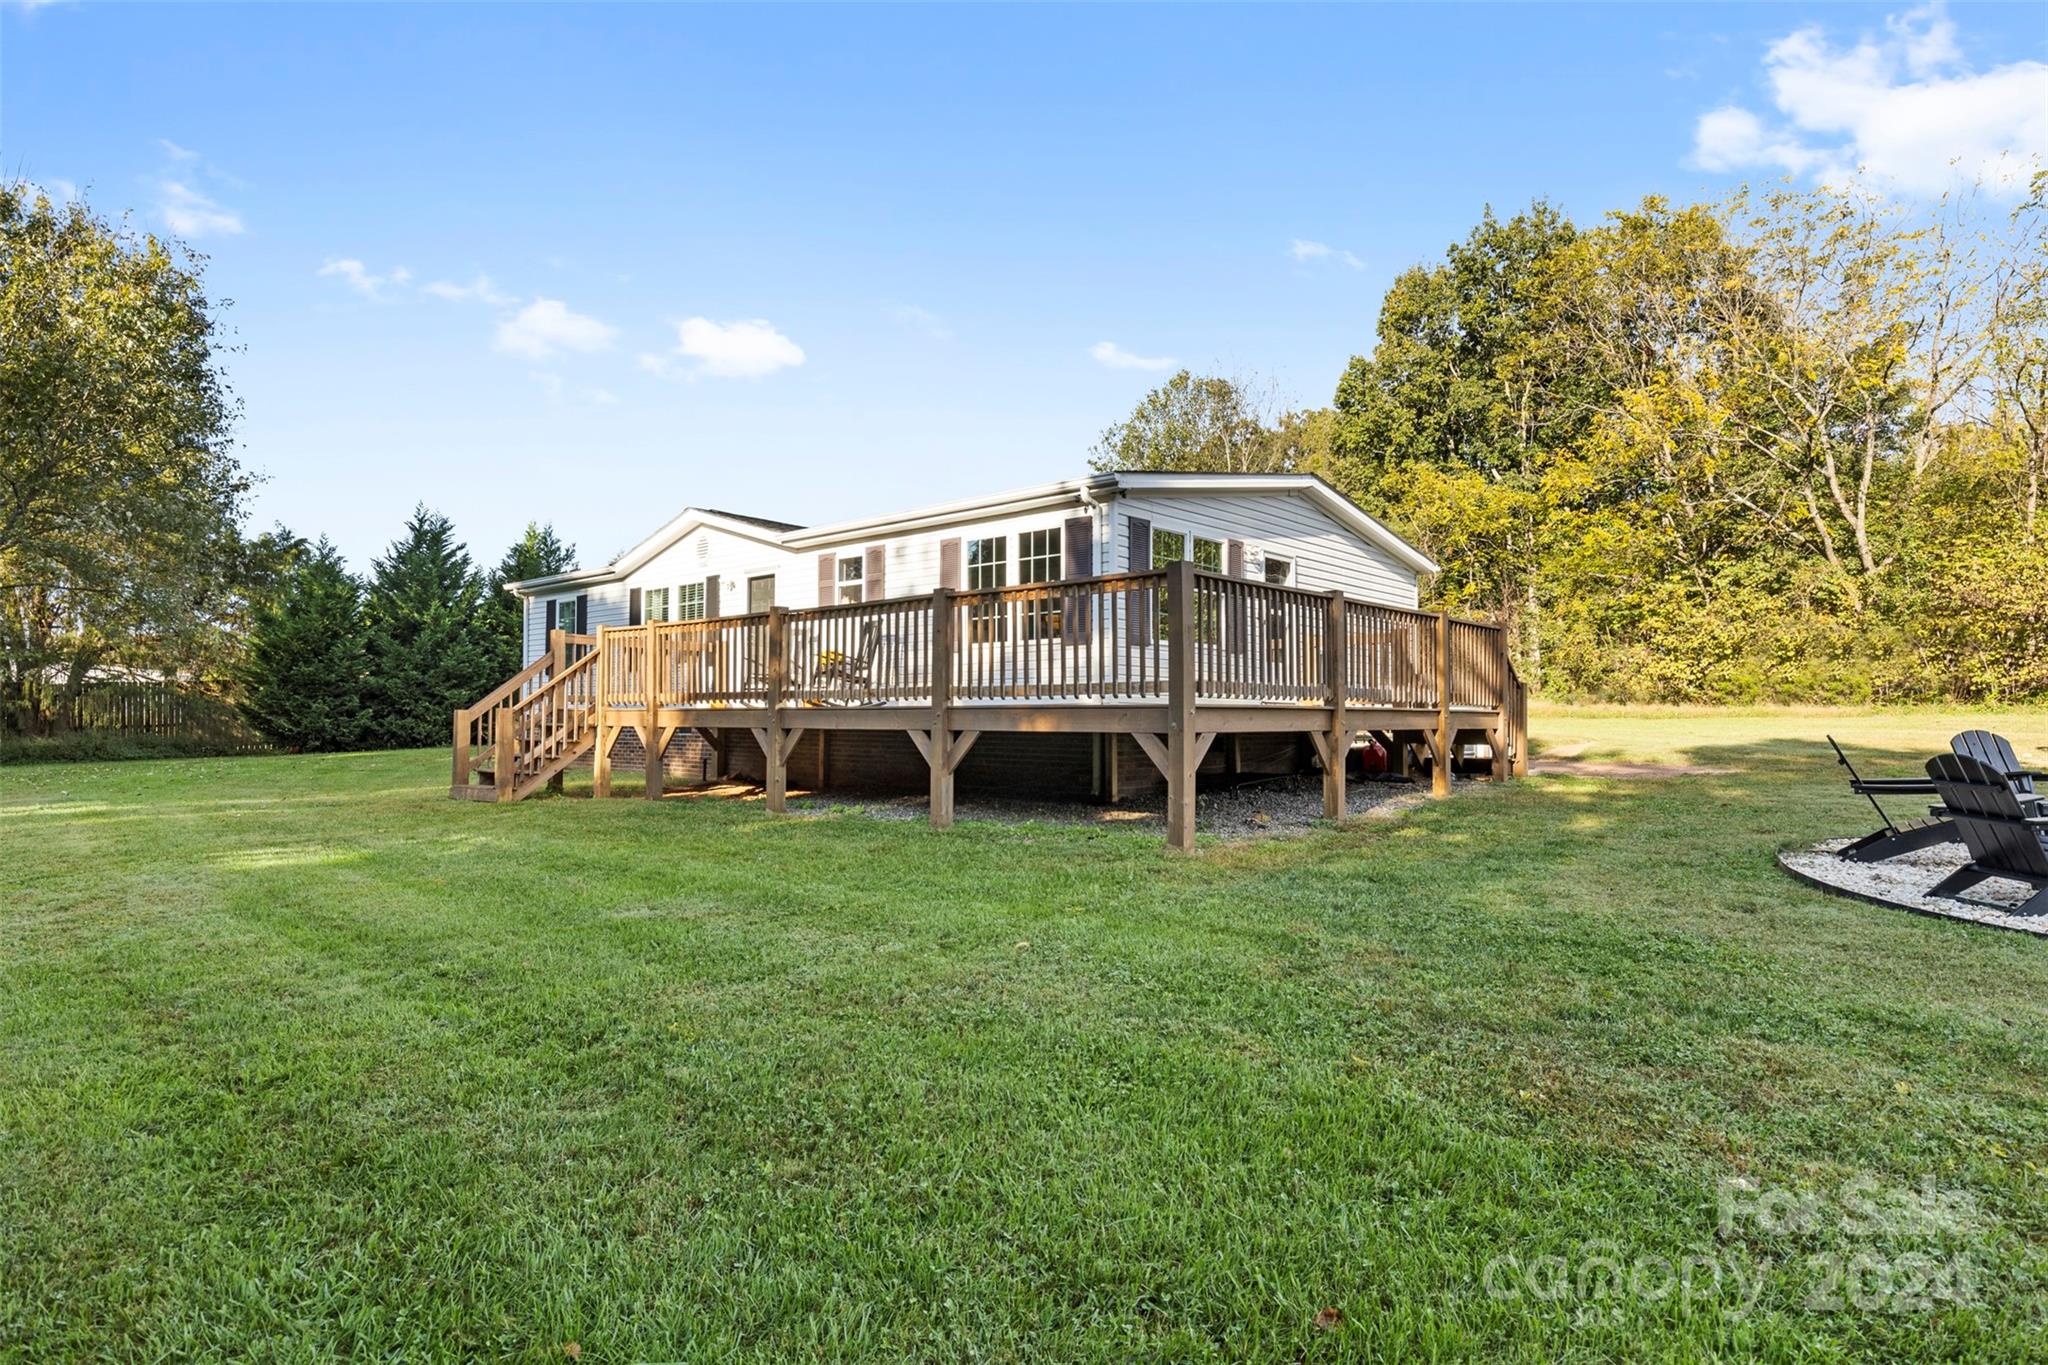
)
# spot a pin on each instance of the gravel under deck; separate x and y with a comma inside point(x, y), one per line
point(1281, 805)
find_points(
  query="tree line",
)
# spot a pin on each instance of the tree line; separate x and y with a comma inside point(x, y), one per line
point(123, 548)
point(339, 662)
point(1787, 446)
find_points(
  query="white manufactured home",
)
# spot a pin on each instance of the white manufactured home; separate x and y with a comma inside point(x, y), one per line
point(1292, 530)
point(1095, 636)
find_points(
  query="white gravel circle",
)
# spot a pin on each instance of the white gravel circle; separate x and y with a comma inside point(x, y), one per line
point(1903, 883)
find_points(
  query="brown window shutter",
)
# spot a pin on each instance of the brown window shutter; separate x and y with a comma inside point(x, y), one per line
point(583, 613)
point(632, 606)
point(1077, 553)
point(1233, 558)
point(949, 563)
point(877, 565)
point(1141, 605)
point(828, 572)
point(711, 597)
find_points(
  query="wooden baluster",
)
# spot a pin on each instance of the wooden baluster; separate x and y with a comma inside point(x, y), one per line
point(1440, 775)
point(1180, 706)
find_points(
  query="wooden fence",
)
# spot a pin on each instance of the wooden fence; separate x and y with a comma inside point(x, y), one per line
point(169, 710)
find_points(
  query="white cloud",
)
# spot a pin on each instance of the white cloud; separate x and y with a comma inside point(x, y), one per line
point(546, 326)
point(175, 152)
point(923, 320)
point(1303, 250)
point(1903, 107)
point(358, 277)
point(746, 349)
point(1117, 358)
point(479, 290)
point(189, 213)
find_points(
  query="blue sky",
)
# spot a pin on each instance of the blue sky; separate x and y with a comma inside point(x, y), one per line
point(592, 265)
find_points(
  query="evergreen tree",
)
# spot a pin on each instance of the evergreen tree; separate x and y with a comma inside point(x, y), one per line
point(302, 681)
point(430, 649)
point(535, 554)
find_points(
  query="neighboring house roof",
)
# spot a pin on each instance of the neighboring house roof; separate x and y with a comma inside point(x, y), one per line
point(1064, 493)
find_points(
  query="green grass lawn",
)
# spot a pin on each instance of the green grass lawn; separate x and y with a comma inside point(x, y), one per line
point(300, 1059)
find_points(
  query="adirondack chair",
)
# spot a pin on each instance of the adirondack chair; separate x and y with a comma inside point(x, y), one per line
point(1891, 839)
point(1995, 751)
point(2003, 839)
point(855, 671)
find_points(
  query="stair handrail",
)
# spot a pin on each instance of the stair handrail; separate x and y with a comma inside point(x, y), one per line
point(505, 767)
point(551, 662)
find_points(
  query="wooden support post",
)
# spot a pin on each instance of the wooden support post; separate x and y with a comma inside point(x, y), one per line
point(1338, 753)
point(505, 735)
point(460, 778)
point(1521, 763)
point(1503, 724)
point(650, 729)
point(1440, 744)
point(603, 732)
point(558, 652)
point(1180, 705)
point(777, 776)
point(937, 755)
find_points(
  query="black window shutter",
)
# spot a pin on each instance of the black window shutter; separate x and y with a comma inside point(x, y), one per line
point(1141, 605)
point(1077, 551)
point(633, 606)
point(551, 614)
point(711, 596)
point(583, 613)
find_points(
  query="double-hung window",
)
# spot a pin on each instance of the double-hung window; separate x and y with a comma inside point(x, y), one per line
point(1038, 561)
point(690, 602)
point(656, 604)
point(852, 572)
point(988, 568)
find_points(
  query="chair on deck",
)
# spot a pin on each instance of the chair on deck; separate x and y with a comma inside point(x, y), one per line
point(854, 671)
point(2007, 837)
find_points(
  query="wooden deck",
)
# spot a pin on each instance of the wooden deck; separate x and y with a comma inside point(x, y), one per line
point(1173, 657)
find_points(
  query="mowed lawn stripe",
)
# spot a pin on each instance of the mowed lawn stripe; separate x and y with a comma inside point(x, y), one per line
point(310, 1061)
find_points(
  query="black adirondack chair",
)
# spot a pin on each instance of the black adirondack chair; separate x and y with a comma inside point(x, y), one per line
point(1995, 751)
point(2003, 838)
point(1891, 839)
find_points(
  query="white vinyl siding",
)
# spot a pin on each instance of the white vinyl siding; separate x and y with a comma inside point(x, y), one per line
point(1324, 554)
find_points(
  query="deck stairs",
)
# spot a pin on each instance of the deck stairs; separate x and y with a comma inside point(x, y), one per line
point(523, 734)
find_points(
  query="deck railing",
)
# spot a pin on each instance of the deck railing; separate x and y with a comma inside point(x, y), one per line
point(1159, 646)
point(1099, 639)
